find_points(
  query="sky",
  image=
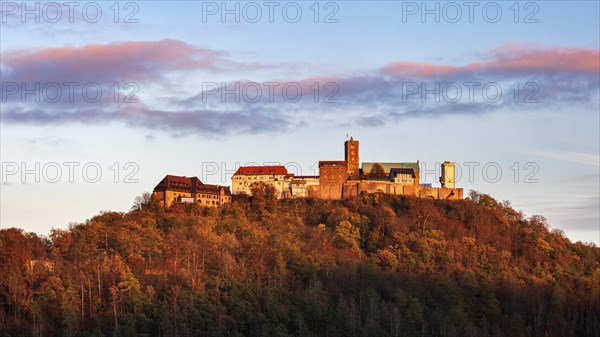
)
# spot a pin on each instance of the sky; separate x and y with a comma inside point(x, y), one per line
point(101, 99)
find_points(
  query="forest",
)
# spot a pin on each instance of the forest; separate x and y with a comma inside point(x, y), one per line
point(375, 265)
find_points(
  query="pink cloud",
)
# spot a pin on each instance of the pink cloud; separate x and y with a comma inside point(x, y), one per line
point(420, 69)
point(510, 58)
point(131, 61)
point(555, 60)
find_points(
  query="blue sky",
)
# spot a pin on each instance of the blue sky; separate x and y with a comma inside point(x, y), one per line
point(370, 62)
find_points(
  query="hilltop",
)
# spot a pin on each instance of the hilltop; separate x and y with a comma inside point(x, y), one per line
point(375, 265)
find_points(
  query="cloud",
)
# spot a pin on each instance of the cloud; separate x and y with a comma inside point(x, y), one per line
point(203, 123)
point(508, 78)
point(514, 57)
point(114, 62)
point(551, 78)
point(591, 159)
point(509, 59)
point(50, 140)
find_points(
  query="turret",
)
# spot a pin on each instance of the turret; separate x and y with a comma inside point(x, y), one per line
point(448, 175)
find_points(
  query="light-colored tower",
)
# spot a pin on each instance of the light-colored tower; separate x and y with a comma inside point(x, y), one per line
point(351, 157)
point(448, 175)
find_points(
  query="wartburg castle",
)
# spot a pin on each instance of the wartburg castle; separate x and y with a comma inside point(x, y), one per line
point(337, 179)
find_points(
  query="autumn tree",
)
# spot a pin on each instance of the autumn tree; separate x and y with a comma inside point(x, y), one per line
point(375, 265)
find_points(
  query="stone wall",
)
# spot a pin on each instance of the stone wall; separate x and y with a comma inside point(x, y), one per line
point(353, 188)
point(331, 180)
point(167, 198)
point(441, 193)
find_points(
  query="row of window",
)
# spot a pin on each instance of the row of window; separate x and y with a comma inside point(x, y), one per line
point(258, 178)
point(210, 196)
point(250, 184)
point(208, 202)
point(182, 195)
point(404, 180)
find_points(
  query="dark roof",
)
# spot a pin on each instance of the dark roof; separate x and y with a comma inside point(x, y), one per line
point(187, 184)
point(214, 189)
point(405, 170)
point(177, 183)
point(261, 170)
point(332, 163)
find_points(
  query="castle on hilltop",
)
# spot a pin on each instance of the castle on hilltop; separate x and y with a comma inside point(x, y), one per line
point(337, 179)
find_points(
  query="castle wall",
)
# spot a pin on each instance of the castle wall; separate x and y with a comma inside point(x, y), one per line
point(167, 198)
point(301, 185)
point(313, 191)
point(354, 188)
point(410, 189)
point(331, 180)
point(160, 195)
point(441, 193)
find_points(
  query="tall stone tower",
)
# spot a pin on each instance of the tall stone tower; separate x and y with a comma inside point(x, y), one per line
point(351, 157)
point(448, 175)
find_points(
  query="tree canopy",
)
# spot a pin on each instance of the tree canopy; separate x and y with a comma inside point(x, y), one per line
point(376, 265)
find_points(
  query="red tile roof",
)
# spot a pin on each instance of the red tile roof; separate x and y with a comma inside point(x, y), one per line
point(215, 189)
point(332, 163)
point(261, 170)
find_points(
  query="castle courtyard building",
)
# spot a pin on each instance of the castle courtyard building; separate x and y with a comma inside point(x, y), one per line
point(180, 189)
point(247, 176)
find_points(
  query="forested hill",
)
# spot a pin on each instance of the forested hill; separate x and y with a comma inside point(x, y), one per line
point(377, 265)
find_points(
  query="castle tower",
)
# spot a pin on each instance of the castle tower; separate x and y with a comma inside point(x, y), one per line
point(448, 175)
point(351, 158)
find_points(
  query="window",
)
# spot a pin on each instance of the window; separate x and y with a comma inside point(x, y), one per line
point(404, 178)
